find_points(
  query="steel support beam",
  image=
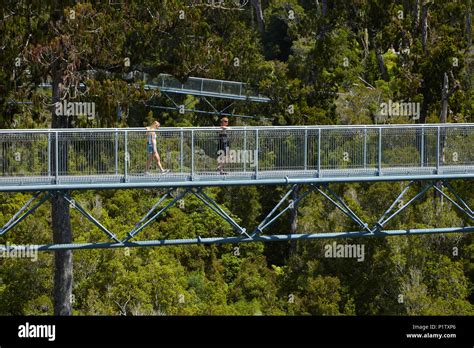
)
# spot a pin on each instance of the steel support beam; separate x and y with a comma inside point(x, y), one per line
point(146, 220)
point(342, 206)
point(18, 217)
point(218, 210)
point(463, 203)
point(270, 219)
point(234, 240)
point(75, 205)
point(383, 220)
point(215, 111)
point(256, 236)
point(466, 209)
point(142, 223)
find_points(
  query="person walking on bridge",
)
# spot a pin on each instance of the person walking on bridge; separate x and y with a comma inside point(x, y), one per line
point(152, 152)
point(223, 150)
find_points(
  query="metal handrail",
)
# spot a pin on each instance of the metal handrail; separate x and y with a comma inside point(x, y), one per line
point(263, 154)
point(163, 129)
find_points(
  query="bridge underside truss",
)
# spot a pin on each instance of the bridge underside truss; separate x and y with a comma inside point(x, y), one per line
point(290, 200)
point(211, 107)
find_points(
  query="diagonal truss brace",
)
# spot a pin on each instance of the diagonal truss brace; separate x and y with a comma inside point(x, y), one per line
point(21, 214)
point(269, 219)
point(343, 206)
point(218, 210)
point(75, 205)
point(151, 216)
point(461, 204)
point(148, 218)
point(378, 229)
point(215, 111)
point(337, 201)
point(384, 219)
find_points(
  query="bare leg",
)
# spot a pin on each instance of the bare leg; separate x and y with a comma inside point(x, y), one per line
point(148, 162)
point(220, 166)
point(158, 161)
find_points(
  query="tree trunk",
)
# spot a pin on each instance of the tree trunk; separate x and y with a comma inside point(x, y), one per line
point(444, 99)
point(294, 220)
point(325, 8)
point(365, 42)
point(258, 10)
point(62, 232)
point(381, 63)
point(469, 24)
point(62, 258)
point(424, 25)
point(443, 116)
point(416, 17)
point(442, 140)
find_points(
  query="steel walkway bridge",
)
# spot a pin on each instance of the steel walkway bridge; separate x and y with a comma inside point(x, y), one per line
point(308, 159)
point(233, 91)
point(206, 87)
point(199, 86)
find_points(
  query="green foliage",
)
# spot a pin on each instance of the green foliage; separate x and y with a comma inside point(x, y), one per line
point(326, 64)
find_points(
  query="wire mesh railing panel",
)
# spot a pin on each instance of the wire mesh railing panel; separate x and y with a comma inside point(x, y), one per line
point(457, 146)
point(205, 86)
point(194, 84)
point(169, 82)
point(124, 155)
point(24, 154)
point(233, 88)
point(205, 151)
point(86, 153)
point(344, 148)
point(222, 150)
point(171, 146)
point(281, 150)
point(312, 140)
point(401, 147)
point(212, 86)
point(430, 147)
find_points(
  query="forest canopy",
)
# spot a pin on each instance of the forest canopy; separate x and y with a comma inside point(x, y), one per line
point(321, 62)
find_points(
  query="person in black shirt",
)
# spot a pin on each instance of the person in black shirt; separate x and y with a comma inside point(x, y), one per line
point(223, 145)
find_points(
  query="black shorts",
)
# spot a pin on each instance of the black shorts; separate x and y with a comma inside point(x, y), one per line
point(223, 146)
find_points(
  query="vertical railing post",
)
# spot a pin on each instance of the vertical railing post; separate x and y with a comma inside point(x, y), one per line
point(56, 157)
point(379, 169)
point(365, 148)
point(438, 143)
point(245, 149)
point(202, 85)
point(319, 152)
point(116, 152)
point(181, 150)
point(306, 148)
point(49, 154)
point(257, 153)
point(422, 155)
point(127, 156)
point(192, 154)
